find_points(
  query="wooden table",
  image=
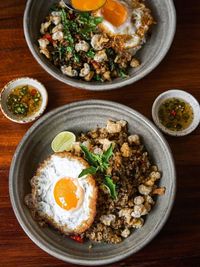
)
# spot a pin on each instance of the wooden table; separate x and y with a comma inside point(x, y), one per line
point(178, 244)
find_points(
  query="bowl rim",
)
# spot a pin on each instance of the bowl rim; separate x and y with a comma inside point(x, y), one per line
point(177, 93)
point(22, 221)
point(104, 86)
point(26, 119)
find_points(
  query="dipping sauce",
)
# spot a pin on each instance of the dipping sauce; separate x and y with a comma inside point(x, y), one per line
point(175, 114)
point(24, 101)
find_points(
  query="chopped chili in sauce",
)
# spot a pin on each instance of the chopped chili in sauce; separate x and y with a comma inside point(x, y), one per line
point(24, 101)
point(175, 114)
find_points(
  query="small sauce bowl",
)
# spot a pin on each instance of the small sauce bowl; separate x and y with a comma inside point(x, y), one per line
point(8, 88)
point(186, 97)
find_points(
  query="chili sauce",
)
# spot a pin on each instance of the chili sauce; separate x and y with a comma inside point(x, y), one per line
point(175, 114)
point(24, 101)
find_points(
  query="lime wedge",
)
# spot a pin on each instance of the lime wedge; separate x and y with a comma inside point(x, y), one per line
point(63, 141)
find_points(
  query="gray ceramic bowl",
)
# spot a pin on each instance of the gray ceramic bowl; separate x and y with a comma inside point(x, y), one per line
point(150, 55)
point(36, 146)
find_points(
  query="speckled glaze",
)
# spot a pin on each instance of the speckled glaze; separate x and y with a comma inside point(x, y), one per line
point(36, 146)
point(150, 55)
point(186, 97)
point(21, 82)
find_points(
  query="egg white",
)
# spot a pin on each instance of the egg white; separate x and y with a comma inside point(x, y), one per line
point(126, 28)
point(43, 183)
point(129, 27)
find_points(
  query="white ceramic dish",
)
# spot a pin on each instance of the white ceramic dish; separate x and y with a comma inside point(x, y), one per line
point(20, 82)
point(187, 98)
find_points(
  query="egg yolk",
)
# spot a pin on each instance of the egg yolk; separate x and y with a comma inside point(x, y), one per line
point(87, 5)
point(65, 194)
point(114, 12)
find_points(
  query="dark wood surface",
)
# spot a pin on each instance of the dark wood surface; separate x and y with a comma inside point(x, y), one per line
point(178, 244)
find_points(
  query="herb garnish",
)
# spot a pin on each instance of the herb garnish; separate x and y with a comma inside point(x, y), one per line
point(122, 73)
point(82, 25)
point(98, 78)
point(87, 24)
point(100, 163)
point(90, 53)
point(111, 186)
point(65, 22)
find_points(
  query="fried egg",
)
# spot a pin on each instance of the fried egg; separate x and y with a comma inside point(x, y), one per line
point(62, 199)
point(87, 5)
point(130, 18)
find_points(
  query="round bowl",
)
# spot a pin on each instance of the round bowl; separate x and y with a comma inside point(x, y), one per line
point(150, 55)
point(36, 146)
point(20, 82)
point(187, 98)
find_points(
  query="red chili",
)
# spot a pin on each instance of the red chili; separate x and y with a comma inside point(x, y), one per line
point(173, 112)
point(48, 37)
point(33, 92)
point(77, 238)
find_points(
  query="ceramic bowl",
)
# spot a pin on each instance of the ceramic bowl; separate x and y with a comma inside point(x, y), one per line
point(150, 55)
point(187, 98)
point(36, 146)
point(20, 82)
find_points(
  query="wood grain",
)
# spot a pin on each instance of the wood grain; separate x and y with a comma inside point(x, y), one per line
point(178, 242)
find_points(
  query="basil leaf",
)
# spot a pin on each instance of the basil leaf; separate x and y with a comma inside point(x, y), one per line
point(65, 22)
point(105, 165)
point(97, 20)
point(98, 78)
point(76, 58)
point(85, 15)
point(107, 154)
point(122, 73)
point(90, 53)
point(69, 49)
point(111, 185)
point(107, 188)
point(90, 170)
point(90, 157)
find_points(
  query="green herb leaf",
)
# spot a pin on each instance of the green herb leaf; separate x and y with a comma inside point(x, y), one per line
point(122, 73)
point(88, 24)
point(111, 185)
point(69, 49)
point(107, 188)
point(61, 51)
point(98, 78)
point(66, 23)
point(105, 165)
point(85, 15)
point(100, 163)
point(97, 20)
point(76, 58)
point(107, 154)
point(90, 170)
point(90, 157)
point(90, 53)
